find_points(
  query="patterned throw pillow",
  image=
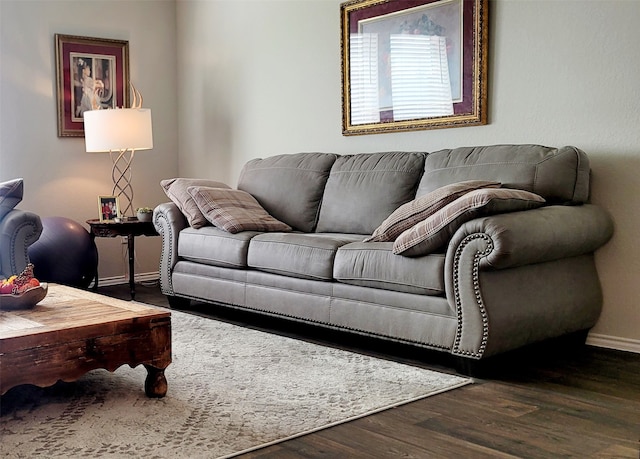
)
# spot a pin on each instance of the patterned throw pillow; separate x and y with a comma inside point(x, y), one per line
point(10, 195)
point(435, 231)
point(176, 190)
point(234, 210)
point(407, 215)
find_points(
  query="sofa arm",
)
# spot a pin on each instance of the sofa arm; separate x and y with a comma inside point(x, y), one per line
point(518, 278)
point(168, 221)
point(537, 235)
point(18, 230)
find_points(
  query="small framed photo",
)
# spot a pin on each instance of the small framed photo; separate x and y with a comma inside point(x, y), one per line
point(91, 73)
point(109, 208)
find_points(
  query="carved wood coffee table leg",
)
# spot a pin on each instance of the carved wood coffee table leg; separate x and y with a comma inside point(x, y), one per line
point(156, 384)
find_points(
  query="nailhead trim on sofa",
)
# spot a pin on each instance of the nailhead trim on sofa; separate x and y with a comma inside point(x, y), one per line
point(476, 287)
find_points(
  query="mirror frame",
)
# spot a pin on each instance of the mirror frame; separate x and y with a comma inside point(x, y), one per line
point(470, 111)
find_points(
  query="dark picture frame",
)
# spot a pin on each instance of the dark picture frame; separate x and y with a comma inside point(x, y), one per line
point(456, 33)
point(108, 208)
point(90, 72)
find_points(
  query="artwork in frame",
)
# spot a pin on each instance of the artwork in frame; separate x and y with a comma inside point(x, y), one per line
point(108, 208)
point(413, 64)
point(91, 73)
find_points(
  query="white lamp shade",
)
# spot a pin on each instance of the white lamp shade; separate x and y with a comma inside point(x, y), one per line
point(118, 129)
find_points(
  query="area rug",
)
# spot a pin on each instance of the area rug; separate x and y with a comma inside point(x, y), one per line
point(231, 390)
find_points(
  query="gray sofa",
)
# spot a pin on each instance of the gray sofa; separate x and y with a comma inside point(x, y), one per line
point(18, 229)
point(503, 281)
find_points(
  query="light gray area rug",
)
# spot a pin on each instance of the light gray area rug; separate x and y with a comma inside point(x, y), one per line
point(231, 390)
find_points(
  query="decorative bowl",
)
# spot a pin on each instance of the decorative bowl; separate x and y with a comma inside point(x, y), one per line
point(144, 216)
point(25, 300)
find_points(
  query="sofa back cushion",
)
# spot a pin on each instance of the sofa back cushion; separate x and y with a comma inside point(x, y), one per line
point(289, 187)
point(366, 188)
point(560, 175)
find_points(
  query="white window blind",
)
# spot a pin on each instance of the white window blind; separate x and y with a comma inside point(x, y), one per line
point(420, 77)
point(363, 65)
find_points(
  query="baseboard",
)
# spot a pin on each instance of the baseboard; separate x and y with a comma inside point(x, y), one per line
point(614, 342)
point(117, 280)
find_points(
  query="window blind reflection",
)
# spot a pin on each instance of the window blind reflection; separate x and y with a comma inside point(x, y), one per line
point(363, 65)
point(420, 77)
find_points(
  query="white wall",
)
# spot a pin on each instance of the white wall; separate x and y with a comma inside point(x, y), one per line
point(259, 78)
point(60, 178)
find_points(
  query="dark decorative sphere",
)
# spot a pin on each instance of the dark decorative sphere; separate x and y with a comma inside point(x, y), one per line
point(65, 253)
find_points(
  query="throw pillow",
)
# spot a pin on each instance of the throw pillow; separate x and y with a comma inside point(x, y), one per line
point(234, 210)
point(407, 215)
point(176, 190)
point(10, 195)
point(434, 232)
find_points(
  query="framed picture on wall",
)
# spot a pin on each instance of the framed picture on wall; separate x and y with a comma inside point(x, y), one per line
point(108, 207)
point(413, 64)
point(91, 73)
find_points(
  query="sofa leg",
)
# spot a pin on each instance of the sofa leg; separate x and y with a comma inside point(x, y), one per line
point(471, 367)
point(577, 340)
point(569, 346)
point(177, 302)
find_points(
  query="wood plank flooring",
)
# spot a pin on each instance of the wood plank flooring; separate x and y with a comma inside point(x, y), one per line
point(539, 403)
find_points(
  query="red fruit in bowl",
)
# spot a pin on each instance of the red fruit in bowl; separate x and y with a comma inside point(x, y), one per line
point(5, 288)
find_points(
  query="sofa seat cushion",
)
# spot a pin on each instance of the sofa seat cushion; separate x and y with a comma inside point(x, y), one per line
point(303, 255)
point(373, 264)
point(364, 189)
point(214, 246)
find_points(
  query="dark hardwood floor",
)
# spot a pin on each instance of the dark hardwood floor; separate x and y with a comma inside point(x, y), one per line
point(543, 402)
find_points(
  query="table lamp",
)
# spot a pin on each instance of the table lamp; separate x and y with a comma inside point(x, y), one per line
point(121, 132)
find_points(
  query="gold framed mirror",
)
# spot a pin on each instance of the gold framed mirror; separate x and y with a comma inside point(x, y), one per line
point(413, 64)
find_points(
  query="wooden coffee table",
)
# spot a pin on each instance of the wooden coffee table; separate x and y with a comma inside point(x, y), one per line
point(73, 331)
